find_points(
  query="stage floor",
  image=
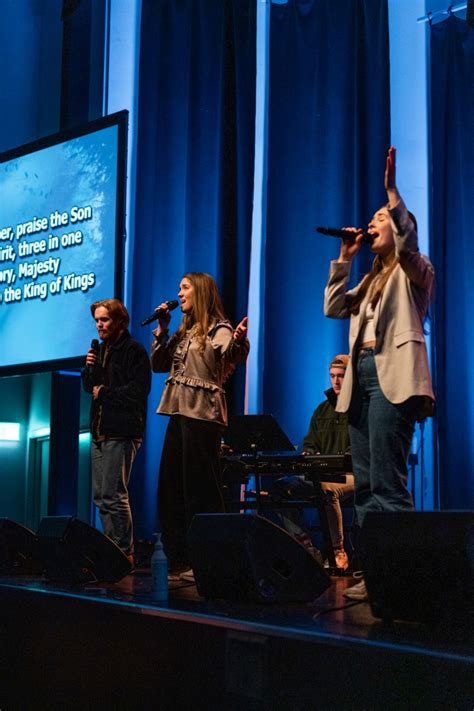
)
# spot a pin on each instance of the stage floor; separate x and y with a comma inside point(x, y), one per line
point(331, 615)
point(330, 653)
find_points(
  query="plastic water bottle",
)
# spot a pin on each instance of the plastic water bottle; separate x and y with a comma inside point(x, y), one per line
point(159, 571)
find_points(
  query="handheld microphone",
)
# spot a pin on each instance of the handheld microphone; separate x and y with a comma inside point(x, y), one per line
point(95, 348)
point(346, 234)
point(159, 312)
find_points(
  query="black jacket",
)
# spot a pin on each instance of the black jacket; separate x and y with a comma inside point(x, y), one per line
point(120, 410)
point(328, 431)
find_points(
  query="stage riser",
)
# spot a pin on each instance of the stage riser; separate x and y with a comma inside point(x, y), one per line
point(74, 653)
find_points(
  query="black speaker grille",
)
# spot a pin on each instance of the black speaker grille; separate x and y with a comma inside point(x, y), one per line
point(246, 557)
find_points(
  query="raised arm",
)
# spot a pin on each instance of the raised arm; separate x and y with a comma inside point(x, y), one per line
point(417, 267)
point(335, 301)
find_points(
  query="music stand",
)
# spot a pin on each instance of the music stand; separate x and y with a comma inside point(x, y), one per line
point(252, 434)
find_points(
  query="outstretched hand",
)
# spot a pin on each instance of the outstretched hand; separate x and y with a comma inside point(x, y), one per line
point(241, 331)
point(390, 177)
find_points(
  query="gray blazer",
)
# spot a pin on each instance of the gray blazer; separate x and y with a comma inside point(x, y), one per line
point(400, 350)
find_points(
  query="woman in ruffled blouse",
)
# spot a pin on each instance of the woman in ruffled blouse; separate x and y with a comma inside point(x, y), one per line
point(199, 356)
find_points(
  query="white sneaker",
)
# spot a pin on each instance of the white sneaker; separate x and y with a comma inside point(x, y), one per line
point(187, 576)
point(357, 592)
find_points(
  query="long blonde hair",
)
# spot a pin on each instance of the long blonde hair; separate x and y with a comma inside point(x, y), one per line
point(207, 309)
point(375, 280)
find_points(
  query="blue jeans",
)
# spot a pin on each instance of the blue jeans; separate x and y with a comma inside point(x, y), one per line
point(380, 434)
point(112, 462)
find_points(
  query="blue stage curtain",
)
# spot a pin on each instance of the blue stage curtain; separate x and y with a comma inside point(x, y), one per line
point(194, 175)
point(452, 124)
point(329, 130)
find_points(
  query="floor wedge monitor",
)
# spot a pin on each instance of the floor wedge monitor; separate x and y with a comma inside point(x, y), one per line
point(72, 551)
point(17, 548)
point(246, 557)
point(419, 566)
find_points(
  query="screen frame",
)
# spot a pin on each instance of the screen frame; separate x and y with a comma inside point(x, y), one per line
point(119, 119)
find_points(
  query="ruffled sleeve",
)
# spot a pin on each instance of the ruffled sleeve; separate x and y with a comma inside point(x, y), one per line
point(232, 352)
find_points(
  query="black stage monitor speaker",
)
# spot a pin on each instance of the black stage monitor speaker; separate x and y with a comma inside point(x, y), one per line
point(74, 552)
point(246, 557)
point(17, 546)
point(419, 566)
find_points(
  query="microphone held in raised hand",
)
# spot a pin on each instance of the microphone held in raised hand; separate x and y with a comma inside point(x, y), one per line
point(346, 234)
point(170, 305)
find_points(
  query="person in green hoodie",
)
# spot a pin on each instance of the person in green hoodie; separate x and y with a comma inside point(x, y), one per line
point(327, 434)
